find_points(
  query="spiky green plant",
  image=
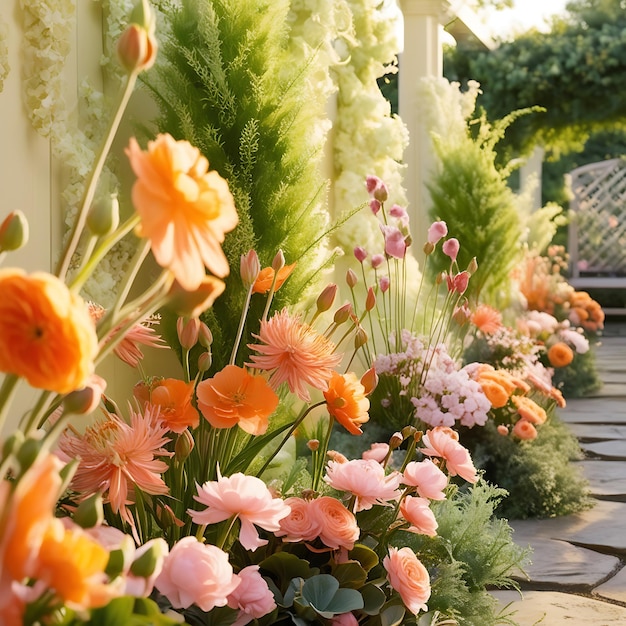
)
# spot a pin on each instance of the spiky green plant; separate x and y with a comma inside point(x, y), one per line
point(225, 82)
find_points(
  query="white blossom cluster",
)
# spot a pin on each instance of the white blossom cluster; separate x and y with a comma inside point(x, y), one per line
point(367, 138)
point(4, 53)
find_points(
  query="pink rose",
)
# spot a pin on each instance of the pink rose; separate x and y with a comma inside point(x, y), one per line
point(429, 480)
point(196, 573)
point(444, 442)
point(252, 596)
point(417, 512)
point(339, 527)
point(409, 578)
point(300, 524)
point(437, 231)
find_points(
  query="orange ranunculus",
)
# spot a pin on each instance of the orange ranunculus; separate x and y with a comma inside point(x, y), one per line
point(264, 280)
point(496, 394)
point(523, 429)
point(529, 410)
point(234, 396)
point(560, 354)
point(46, 333)
point(185, 209)
point(73, 564)
point(25, 516)
point(346, 401)
point(173, 398)
point(408, 576)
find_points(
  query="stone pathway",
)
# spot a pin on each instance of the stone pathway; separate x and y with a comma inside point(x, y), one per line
point(578, 573)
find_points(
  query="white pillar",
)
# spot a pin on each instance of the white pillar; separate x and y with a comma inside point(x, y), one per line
point(422, 56)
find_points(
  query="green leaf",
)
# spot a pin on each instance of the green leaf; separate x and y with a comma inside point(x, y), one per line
point(284, 567)
point(350, 574)
point(365, 556)
point(392, 615)
point(373, 599)
point(324, 595)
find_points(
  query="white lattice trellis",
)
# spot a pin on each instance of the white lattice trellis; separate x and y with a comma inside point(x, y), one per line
point(597, 230)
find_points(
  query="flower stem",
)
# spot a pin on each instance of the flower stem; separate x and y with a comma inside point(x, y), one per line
point(90, 189)
point(242, 321)
point(7, 392)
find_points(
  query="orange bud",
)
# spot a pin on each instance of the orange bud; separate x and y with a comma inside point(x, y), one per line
point(326, 298)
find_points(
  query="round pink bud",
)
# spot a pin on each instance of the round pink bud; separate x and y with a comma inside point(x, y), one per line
point(375, 206)
point(360, 254)
point(451, 248)
point(377, 260)
point(383, 283)
point(351, 279)
point(437, 231)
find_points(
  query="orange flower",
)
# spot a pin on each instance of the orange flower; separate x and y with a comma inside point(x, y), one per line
point(185, 209)
point(529, 409)
point(294, 353)
point(264, 280)
point(408, 576)
point(46, 333)
point(173, 399)
point(523, 429)
point(116, 456)
point(346, 401)
point(234, 396)
point(560, 355)
point(496, 394)
point(487, 319)
point(73, 564)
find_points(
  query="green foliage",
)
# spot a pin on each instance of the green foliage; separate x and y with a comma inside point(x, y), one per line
point(539, 475)
point(569, 72)
point(471, 195)
point(472, 552)
point(225, 83)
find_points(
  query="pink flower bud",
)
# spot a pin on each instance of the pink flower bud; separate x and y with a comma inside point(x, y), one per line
point(204, 361)
point(185, 443)
point(375, 206)
point(137, 49)
point(360, 338)
point(451, 248)
point(376, 188)
point(342, 314)
point(205, 336)
point(395, 245)
point(383, 283)
point(326, 298)
point(188, 332)
point(351, 279)
point(86, 400)
point(437, 231)
point(460, 282)
point(400, 213)
point(377, 260)
point(250, 268)
point(313, 444)
point(502, 430)
point(370, 300)
point(360, 254)
point(278, 262)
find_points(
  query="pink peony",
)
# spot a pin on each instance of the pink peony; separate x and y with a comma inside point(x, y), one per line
point(437, 231)
point(252, 596)
point(409, 578)
point(196, 573)
point(417, 512)
point(366, 480)
point(427, 477)
point(300, 524)
point(246, 497)
point(444, 442)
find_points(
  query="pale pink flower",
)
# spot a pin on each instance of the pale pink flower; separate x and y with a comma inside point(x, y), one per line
point(366, 480)
point(344, 619)
point(377, 452)
point(295, 353)
point(300, 524)
point(451, 248)
point(417, 512)
point(375, 206)
point(377, 260)
point(246, 497)
point(444, 442)
point(502, 430)
point(429, 480)
point(360, 254)
point(376, 188)
point(252, 596)
point(114, 457)
point(395, 243)
point(400, 213)
point(408, 576)
point(383, 283)
point(437, 231)
point(196, 573)
point(458, 283)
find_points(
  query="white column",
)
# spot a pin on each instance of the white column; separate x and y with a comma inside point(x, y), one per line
point(422, 57)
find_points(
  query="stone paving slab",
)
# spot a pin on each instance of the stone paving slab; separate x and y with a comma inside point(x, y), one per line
point(603, 527)
point(598, 432)
point(606, 478)
point(551, 608)
point(615, 450)
point(614, 588)
point(594, 410)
